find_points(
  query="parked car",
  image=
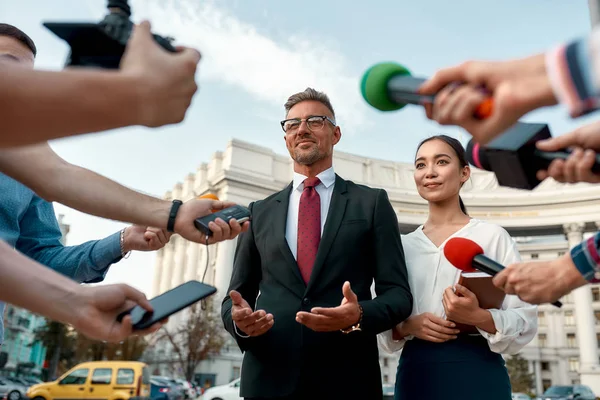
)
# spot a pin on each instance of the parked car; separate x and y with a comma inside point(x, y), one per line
point(97, 379)
point(176, 390)
point(568, 392)
point(159, 390)
point(520, 396)
point(189, 390)
point(12, 388)
point(230, 391)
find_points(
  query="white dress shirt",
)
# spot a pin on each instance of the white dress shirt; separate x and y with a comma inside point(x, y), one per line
point(324, 189)
point(430, 273)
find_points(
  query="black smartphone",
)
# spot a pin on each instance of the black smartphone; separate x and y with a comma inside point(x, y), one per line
point(237, 212)
point(168, 304)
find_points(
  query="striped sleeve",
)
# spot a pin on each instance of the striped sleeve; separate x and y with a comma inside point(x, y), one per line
point(574, 71)
point(586, 257)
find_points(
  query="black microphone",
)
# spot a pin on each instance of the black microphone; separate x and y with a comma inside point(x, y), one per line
point(514, 158)
point(101, 44)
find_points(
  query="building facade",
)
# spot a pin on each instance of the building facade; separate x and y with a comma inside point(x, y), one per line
point(545, 222)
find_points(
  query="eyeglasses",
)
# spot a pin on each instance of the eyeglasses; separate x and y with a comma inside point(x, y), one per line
point(314, 122)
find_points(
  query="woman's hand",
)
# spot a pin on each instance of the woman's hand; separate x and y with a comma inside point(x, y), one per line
point(427, 326)
point(462, 306)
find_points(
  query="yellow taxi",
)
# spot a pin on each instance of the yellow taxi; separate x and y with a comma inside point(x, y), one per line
point(107, 380)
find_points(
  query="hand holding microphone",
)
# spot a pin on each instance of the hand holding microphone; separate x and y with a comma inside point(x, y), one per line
point(468, 256)
point(389, 87)
point(521, 155)
point(582, 164)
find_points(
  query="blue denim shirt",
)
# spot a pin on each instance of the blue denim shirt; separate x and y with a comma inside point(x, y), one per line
point(28, 223)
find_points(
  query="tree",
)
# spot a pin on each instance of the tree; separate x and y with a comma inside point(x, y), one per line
point(59, 340)
point(197, 338)
point(130, 349)
point(521, 379)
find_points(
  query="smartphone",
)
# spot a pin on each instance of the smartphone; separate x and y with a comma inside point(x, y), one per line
point(168, 304)
point(237, 212)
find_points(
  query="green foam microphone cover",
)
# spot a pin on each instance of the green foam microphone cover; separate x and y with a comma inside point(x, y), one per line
point(373, 85)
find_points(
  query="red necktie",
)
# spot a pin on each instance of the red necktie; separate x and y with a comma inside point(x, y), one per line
point(309, 227)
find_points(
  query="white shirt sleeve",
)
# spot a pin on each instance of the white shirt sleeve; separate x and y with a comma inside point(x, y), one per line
point(516, 323)
point(387, 343)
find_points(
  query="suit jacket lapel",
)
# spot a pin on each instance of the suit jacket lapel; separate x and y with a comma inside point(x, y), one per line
point(279, 224)
point(335, 215)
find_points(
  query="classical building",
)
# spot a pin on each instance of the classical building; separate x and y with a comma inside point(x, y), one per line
point(545, 222)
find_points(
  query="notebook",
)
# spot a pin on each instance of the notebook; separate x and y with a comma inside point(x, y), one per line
point(489, 296)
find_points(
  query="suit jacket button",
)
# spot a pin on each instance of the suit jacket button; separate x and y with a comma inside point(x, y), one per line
point(306, 301)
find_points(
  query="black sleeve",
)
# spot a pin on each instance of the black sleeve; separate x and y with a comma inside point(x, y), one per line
point(394, 300)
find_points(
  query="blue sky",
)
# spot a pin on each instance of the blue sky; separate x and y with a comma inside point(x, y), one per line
point(257, 52)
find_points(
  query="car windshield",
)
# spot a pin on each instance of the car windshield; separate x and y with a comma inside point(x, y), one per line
point(559, 390)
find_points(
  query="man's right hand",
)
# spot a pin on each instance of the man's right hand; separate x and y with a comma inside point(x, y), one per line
point(165, 82)
point(248, 322)
point(96, 309)
point(429, 327)
point(196, 208)
point(517, 87)
point(585, 143)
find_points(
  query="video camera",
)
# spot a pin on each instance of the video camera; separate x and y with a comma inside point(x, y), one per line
point(101, 44)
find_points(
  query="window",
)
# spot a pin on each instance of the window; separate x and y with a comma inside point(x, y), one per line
point(561, 253)
point(571, 340)
point(541, 318)
point(385, 361)
point(545, 366)
point(595, 294)
point(77, 377)
point(546, 383)
point(569, 318)
point(386, 379)
point(125, 376)
point(573, 364)
point(597, 315)
point(102, 376)
point(534, 256)
point(542, 340)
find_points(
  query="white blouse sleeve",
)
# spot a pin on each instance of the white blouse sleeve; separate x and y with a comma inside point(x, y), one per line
point(516, 323)
point(387, 343)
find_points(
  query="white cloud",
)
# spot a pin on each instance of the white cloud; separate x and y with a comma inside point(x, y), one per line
point(270, 69)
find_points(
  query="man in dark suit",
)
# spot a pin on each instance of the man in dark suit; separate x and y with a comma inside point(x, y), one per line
point(300, 303)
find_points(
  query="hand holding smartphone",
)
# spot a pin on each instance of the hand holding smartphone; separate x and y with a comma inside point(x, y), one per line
point(237, 212)
point(168, 303)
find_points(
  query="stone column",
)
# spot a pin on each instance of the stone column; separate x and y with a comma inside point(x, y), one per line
point(539, 388)
point(158, 266)
point(224, 267)
point(167, 266)
point(589, 369)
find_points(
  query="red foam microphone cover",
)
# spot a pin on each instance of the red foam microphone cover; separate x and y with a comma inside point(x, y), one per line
point(461, 251)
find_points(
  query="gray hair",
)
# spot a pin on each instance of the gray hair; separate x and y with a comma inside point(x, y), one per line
point(308, 94)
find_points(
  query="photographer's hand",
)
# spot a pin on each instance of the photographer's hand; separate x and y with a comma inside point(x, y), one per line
point(164, 82)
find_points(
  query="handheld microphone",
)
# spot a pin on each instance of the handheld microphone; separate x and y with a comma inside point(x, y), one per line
point(468, 256)
point(514, 158)
point(390, 86)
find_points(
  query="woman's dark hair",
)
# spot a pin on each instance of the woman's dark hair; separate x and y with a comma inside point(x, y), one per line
point(460, 154)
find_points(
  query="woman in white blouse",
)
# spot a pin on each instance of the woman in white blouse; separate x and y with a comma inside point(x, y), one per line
point(439, 362)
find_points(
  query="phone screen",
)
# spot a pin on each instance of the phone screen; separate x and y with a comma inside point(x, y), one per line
point(169, 303)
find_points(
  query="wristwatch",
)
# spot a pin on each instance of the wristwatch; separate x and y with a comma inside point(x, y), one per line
point(355, 327)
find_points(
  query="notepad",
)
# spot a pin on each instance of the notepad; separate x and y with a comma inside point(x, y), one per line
point(489, 296)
